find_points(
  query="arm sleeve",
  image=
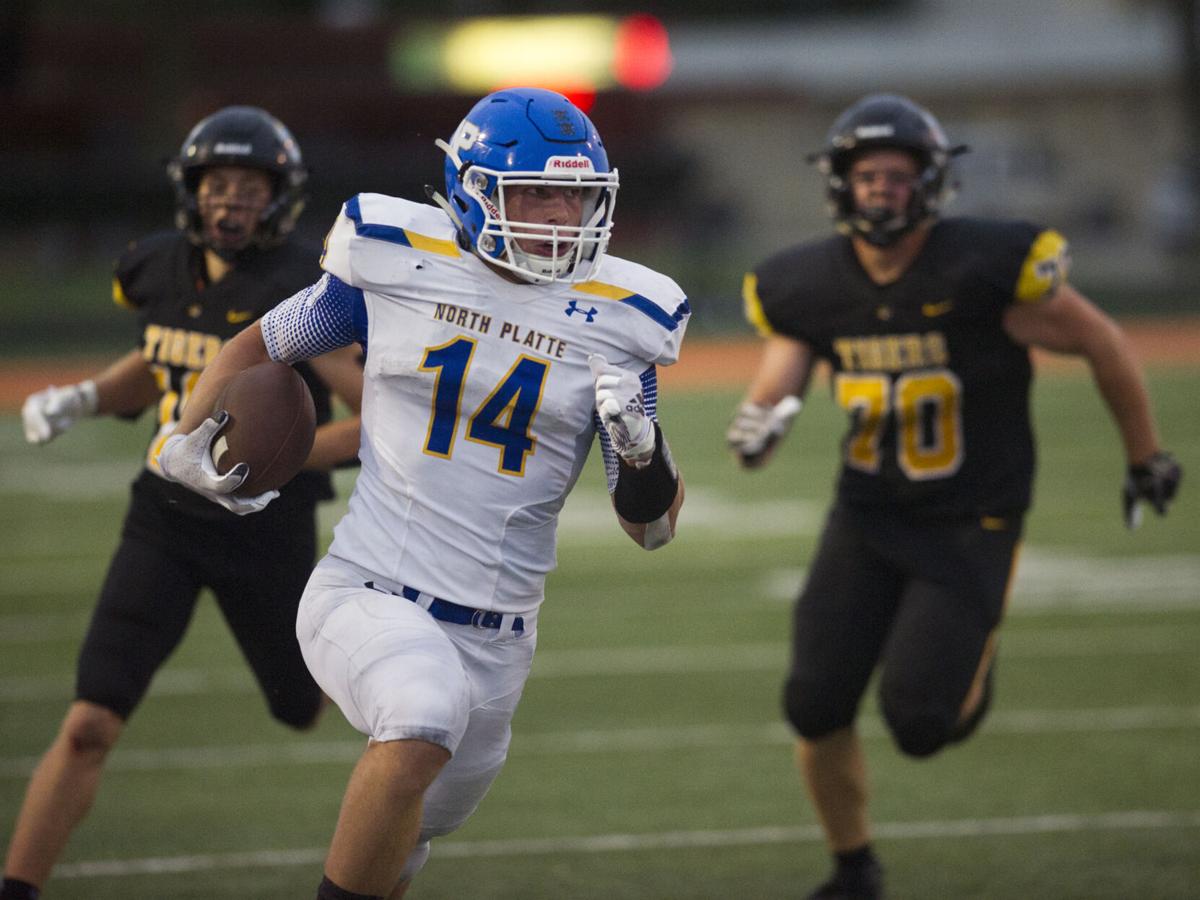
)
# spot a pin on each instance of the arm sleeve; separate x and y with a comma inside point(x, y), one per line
point(322, 317)
point(612, 463)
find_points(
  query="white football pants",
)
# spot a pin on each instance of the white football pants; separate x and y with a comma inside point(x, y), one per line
point(397, 673)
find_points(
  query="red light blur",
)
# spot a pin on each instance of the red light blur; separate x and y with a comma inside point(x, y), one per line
point(583, 97)
point(580, 97)
point(642, 55)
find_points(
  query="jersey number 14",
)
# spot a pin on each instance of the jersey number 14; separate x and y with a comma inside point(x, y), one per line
point(503, 419)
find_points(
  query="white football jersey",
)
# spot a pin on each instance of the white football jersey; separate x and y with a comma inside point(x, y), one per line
point(478, 405)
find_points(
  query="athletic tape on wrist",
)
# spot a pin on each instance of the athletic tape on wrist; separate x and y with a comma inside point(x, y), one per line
point(644, 495)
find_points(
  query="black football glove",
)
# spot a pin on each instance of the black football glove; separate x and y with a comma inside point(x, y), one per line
point(1156, 480)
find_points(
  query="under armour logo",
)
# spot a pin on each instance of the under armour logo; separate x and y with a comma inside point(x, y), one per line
point(573, 307)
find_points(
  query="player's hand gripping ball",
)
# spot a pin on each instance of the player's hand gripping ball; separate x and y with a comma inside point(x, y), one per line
point(272, 422)
point(258, 437)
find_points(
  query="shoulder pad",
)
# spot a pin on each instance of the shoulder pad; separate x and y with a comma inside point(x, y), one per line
point(796, 276)
point(284, 269)
point(137, 264)
point(1025, 262)
point(376, 239)
point(658, 310)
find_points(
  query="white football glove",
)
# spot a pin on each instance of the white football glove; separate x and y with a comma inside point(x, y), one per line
point(187, 459)
point(50, 412)
point(622, 410)
point(755, 429)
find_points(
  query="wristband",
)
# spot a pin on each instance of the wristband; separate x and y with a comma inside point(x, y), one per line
point(644, 495)
point(90, 397)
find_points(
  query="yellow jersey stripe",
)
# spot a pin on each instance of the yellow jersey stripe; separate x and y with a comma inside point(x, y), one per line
point(119, 297)
point(668, 320)
point(431, 245)
point(752, 306)
point(599, 289)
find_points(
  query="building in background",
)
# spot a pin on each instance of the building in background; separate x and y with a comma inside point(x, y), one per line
point(1078, 115)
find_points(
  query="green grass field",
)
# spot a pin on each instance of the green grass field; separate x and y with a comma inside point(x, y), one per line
point(650, 760)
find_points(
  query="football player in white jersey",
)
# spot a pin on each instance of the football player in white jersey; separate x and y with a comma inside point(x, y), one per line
point(501, 341)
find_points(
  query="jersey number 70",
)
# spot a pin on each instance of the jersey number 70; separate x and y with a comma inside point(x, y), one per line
point(927, 406)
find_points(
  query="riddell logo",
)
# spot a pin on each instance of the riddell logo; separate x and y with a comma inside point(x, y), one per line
point(234, 149)
point(568, 163)
point(865, 132)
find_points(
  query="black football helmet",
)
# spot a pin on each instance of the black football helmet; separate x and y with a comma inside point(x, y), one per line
point(894, 122)
point(241, 136)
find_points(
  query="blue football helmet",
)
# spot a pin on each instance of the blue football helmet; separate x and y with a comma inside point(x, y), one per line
point(529, 136)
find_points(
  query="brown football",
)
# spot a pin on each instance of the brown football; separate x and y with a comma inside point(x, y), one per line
point(271, 425)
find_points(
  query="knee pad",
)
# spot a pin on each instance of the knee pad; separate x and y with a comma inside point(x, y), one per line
point(919, 733)
point(415, 862)
point(415, 698)
point(300, 713)
point(456, 793)
point(922, 729)
point(810, 713)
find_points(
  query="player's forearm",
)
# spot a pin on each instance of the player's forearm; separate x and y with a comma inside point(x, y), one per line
point(1119, 379)
point(126, 387)
point(342, 372)
point(334, 443)
point(244, 350)
point(784, 369)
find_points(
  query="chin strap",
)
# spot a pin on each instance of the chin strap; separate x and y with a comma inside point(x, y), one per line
point(881, 231)
point(445, 205)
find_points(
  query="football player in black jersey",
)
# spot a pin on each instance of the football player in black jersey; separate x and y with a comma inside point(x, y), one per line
point(926, 324)
point(239, 182)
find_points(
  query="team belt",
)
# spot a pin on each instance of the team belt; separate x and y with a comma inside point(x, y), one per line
point(455, 613)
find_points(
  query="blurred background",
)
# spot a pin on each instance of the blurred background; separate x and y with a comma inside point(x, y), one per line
point(1084, 116)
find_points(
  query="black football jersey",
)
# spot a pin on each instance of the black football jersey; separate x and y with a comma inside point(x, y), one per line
point(936, 391)
point(183, 322)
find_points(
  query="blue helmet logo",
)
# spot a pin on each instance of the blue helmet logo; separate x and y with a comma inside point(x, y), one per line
point(523, 137)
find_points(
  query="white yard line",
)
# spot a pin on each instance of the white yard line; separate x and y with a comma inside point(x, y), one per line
point(1065, 823)
point(761, 656)
point(1063, 581)
point(671, 738)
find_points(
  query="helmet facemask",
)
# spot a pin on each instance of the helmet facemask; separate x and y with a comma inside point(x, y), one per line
point(881, 225)
point(575, 250)
point(234, 205)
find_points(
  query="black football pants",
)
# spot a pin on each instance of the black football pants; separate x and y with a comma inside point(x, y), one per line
point(256, 565)
point(919, 600)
